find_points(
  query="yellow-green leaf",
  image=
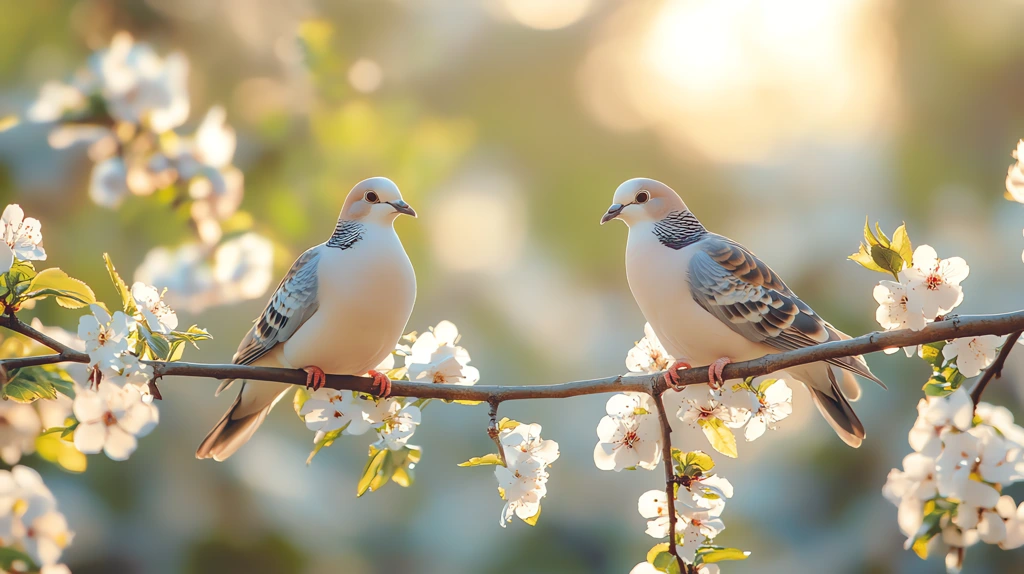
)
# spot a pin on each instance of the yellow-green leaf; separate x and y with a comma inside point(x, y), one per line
point(718, 554)
point(327, 440)
point(8, 122)
point(901, 244)
point(532, 521)
point(127, 301)
point(863, 257)
point(300, 398)
point(60, 452)
point(374, 463)
point(69, 292)
point(507, 424)
point(720, 436)
point(654, 552)
point(487, 459)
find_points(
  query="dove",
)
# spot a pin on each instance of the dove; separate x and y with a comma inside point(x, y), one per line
point(711, 302)
point(341, 308)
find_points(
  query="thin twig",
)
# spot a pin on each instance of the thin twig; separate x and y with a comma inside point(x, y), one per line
point(963, 326)
point(670, 478)
point(995, 370)
point(494, 432)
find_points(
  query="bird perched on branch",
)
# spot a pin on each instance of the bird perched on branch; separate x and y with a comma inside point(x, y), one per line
point(711, 301)
point(341, 308)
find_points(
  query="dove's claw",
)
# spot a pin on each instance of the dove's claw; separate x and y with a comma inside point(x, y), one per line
point(672, 375)
point(381, 380)
point(715, 380)
point(315, 378)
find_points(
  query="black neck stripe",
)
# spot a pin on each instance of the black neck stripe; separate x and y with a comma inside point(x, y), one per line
point(679, 229)
point(346, 234)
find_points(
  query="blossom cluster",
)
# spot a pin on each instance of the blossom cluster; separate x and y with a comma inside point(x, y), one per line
point(928, 288)
point(126, 104)
point(950, 487)
point(699, 500)
point(754, 405)
point(433, 356)
point(30, 521)
point(523, 479)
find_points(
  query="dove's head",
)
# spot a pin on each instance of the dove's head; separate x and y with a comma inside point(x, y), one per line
point(375, 200)
point(640, 199)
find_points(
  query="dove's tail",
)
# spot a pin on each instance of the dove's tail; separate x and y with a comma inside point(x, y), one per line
point(246, 415)
point(831, 401)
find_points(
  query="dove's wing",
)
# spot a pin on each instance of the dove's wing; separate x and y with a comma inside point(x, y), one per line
point(293, 304)
point(734, 285)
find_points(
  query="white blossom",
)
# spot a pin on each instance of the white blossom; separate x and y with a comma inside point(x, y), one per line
point(434, 357)
point(523, 482)
point(19, 427)
point(105, 336)
point(158, 315)
point(653, 505)
point(241, 269)
point(1015, 175)
point(648, 355)
point(399, 425)
point(933, 284)
point(20, 237)
point(111, 418)
point(934, 414)
point(29, 518)
point(328, 410)
point(972, 354)
point(139, 86)
point(629, 436)
point(55, 99)
point(892, 313)
point(775, 404)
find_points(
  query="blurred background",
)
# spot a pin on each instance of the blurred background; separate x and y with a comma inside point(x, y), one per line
point(508, 124)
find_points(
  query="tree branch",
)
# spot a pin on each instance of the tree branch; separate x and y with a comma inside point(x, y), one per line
point(654, 384)
point(995, 370)
point(670, 478)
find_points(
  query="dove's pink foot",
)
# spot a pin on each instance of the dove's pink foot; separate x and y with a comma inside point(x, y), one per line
point(315, 378)
point(381, 380)
point(715, 380)
point(672, 374)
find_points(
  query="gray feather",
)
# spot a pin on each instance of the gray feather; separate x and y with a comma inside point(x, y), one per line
point(293, 304)
point(739, 289)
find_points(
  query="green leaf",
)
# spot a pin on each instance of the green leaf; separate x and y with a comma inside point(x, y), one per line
point(889, 260)
point(29, 385)
point(720, 436)
point(8, 556)
point(694, 462)
point(470, 403)
point(653, 553)
point(863, 257)
point(507, 424)
point(665, 562)
point(901, 244)
point(69, 292)
point(301, 396)
point(157, 343)
point(192, 335)
point(485, 460)
point(882, 239)
point(127, 301)
point(374, 465)
point(327, 440)
point(764, 385)
point(869, 236)
point(532, 521)
point(712, 554)
point(932, 353)
point(177, 351)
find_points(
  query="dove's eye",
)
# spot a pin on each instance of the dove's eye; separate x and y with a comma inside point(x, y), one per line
point(642, 197)
point(371, 197)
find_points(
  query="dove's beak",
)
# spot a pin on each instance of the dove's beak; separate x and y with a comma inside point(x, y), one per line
point(402, 207)
point(612, 213)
